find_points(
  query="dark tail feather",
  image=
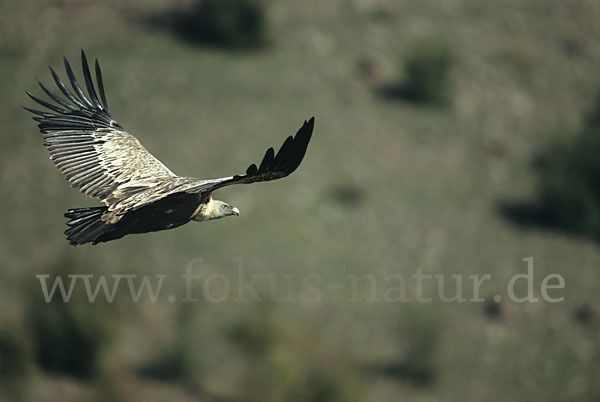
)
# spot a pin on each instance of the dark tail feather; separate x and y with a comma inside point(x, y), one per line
point(85, 225)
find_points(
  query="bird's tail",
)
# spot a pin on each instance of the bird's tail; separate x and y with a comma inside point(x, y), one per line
point(85, 225)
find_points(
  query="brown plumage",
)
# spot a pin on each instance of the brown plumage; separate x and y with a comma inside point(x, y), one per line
point(140, 194)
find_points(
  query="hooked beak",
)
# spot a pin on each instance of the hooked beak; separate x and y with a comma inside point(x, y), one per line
point(235, 211)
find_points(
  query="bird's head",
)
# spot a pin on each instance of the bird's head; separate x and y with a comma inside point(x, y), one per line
point(225, 209)
point(214, 209)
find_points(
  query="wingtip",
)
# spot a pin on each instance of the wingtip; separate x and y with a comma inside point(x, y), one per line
point(309, 124)
point(32, 96)
point(84, 60)
point(83, 57)
point(67, 66)
point(53, 73)
point(308, 127)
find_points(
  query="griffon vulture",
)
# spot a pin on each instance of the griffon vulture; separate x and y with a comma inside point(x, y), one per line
point(140, 194)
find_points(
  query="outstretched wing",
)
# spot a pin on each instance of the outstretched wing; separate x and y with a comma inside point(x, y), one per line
point(93, 152)
point(273, 166)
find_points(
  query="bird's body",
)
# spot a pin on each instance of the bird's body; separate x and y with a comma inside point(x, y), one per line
point(140, 194)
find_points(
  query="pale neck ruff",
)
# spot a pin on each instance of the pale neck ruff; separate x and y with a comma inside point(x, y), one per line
point(206, 211)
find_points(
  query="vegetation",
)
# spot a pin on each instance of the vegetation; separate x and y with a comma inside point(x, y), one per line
point(570, 179)
point(386, 187)
point(227, 23)
point(427, 77)
point(68, 337)
point(14, 354)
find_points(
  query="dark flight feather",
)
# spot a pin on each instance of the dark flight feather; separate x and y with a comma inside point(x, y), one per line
point(63, 88)
point(75, 84)
point(56, 98)
point(101, 86)
point(88, 81)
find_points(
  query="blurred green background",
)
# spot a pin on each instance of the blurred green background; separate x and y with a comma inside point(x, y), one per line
point(458, 136)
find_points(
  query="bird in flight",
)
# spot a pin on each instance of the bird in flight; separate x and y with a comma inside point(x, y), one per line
point(140, 194)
